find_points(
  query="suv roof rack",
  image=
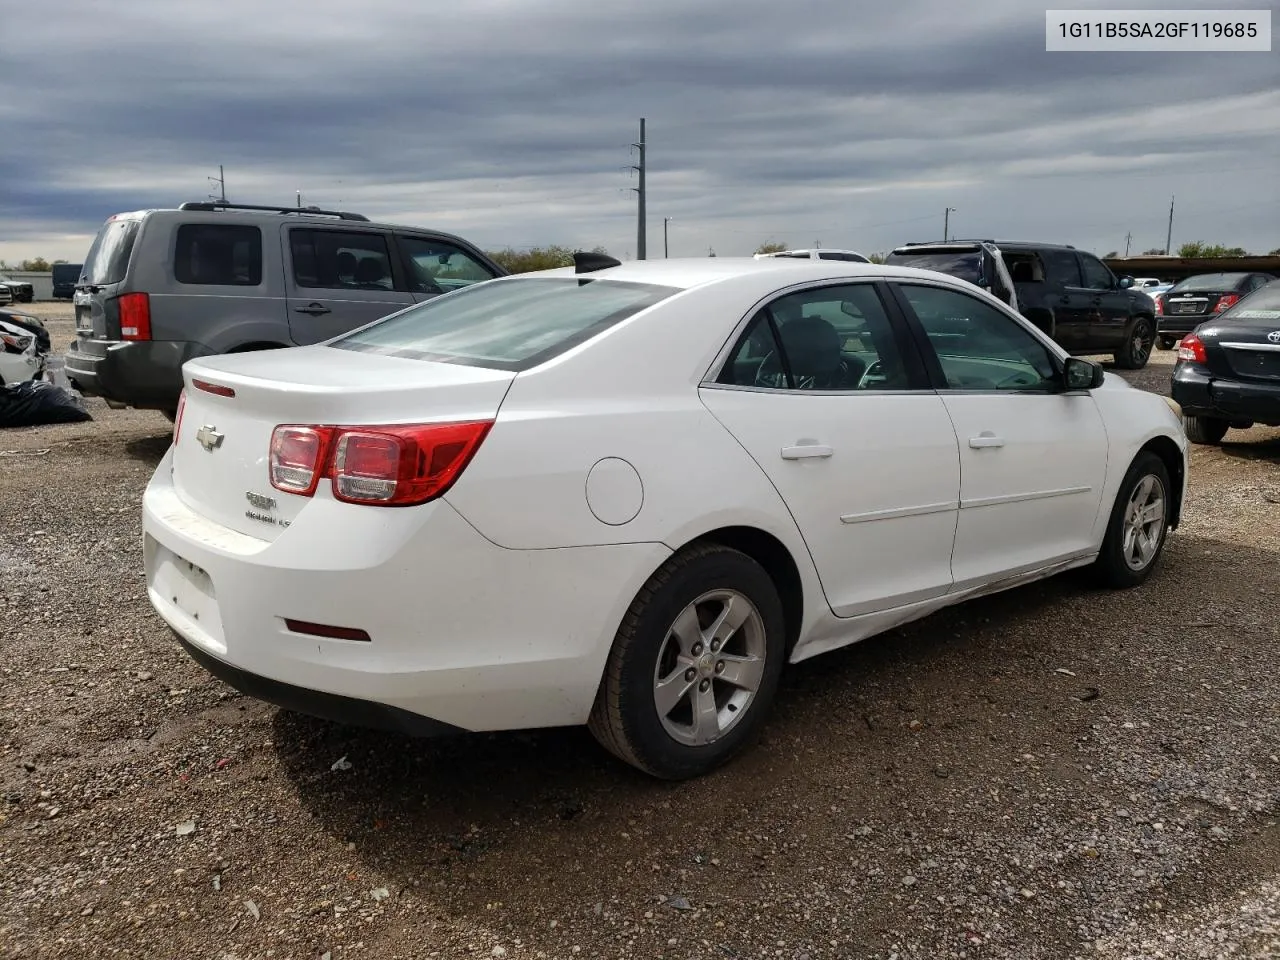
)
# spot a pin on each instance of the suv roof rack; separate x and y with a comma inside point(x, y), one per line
point(311, 211)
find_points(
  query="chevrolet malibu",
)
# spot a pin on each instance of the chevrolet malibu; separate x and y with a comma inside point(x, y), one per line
point(627, 495)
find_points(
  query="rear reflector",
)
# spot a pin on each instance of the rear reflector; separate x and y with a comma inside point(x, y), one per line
point(177, 417)
point(135, 316)
point(325, 630)
point(395, 465)
point(217, 389)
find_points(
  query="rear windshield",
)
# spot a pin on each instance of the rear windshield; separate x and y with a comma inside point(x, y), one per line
point(1210, 282)
point(963, 266)
point(1262, 305)
point(506, 324)
point(109, 256)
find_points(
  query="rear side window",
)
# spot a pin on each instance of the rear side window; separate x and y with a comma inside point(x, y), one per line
point(507, 324)
point(1061, 267)
point(218, 254)
point(340, 260)
point(109, 256)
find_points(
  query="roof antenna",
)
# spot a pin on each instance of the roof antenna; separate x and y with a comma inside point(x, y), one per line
point(588, 262)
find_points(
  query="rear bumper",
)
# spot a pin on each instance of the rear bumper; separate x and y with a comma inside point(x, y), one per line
point(142, 373)
point(1201, 395)
point(463, 633)
point(1167, 326)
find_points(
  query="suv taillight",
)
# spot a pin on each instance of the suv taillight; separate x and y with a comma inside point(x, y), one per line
point(391, 466)
point(177, 417)
point(135, 316)
point(1226, 301)
point(1192, 348)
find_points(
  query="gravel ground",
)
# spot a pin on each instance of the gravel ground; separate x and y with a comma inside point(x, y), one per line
point(1054, 772)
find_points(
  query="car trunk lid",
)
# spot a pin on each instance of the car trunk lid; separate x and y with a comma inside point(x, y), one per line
point(234, 403)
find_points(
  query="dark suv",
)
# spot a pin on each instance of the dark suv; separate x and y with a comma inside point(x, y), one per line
point(1069, 294)
point(161, 287)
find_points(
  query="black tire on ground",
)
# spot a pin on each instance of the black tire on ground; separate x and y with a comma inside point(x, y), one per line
point(1167, 343)
point(1137, 344)
point(625, 718)
point(1206, 430)
point(1112, 569)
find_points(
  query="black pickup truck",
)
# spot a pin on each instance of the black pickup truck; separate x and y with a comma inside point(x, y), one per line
point(1069, 294)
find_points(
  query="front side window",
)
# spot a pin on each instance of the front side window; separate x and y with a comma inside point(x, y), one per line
point(218, 254)
point(438, 267)
point(978, 346)
point(829, 338)
point(509, 325)
point(341, 260)
point(1096, 274)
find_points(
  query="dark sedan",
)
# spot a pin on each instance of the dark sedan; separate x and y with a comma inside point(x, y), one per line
point(1228, 370)
point(1194, 300)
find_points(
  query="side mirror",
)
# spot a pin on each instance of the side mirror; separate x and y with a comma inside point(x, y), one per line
point(1080, 374)
point(1126, 283)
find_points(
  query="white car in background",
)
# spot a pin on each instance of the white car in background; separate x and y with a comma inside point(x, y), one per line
point(20, 355)
point(627, 495)
point(846, 256)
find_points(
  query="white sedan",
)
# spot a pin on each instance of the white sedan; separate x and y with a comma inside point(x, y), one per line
point(626, 495)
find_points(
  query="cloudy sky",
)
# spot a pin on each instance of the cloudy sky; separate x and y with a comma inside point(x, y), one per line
point(839, 122)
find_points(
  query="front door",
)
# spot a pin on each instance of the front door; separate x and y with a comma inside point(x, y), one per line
point(830, 399)
point(1033, 459)
point(339, 278)
point(1108, 302)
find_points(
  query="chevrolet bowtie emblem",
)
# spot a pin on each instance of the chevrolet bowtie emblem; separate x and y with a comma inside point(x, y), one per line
point(209, 437)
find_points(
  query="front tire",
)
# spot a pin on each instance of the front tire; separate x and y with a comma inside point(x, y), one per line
point(1204, 430)
point(694, 666)
point(1138, 526)
point(1137, 345)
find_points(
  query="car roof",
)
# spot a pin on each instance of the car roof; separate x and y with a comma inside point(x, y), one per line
point(690, 272)
point(258, 217)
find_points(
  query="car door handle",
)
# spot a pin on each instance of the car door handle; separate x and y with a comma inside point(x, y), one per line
point(314, 309)
point(986, 440)
point(804, 451)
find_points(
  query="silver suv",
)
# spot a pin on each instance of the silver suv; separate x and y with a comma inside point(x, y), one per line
point(160, 287)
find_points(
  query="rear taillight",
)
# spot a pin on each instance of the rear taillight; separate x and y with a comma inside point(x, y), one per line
point(1192, 348)
point(297, 455)
point(1226, 301)
point(1159, 299)
point(385, 465)
point(177, 417)
point(135, 316)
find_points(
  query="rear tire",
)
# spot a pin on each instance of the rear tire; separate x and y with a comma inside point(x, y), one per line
point(668, 651)
point(1204, 430)
point(1137, 345)
point(1138, 526)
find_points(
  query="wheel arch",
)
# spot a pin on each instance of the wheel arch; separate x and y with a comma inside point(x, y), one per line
point(776, 559)
point(1171, 455)
point(257, 345)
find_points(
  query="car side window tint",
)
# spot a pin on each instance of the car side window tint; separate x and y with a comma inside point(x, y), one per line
point(341, 260)
point(978, 346)
point(436, 266)
point(827, 338)
point(1061, 267)
point(1096, 274)
point(218, 254)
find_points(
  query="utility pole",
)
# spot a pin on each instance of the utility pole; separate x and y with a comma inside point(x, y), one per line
point(221, 181)
point(639, 168)
point(299, 199)
point(1127, 238)
point(1168, 239)
point(946, 223)
point(665, 249)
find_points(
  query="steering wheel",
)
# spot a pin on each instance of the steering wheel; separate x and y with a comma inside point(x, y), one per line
point(874, 375)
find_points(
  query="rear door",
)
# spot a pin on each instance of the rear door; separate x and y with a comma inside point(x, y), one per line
point(828, 396)
point(339, 278)
point(1065, 296)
